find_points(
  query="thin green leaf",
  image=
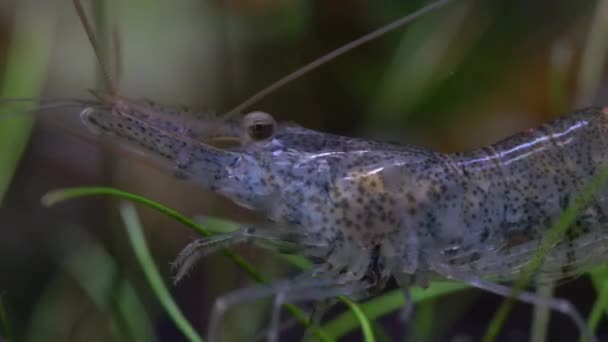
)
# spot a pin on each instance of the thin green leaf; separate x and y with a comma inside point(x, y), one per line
point(60, 195)
point(541, 316)
point(424, 324)
point(98, 274)
point(366, 327)
point(387, 303)
point(24, 73)
point(380, 333)
point(599, 278)
point(594, 55)
point(138, 242)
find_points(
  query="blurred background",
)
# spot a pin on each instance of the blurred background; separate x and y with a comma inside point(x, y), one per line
point(462, 77)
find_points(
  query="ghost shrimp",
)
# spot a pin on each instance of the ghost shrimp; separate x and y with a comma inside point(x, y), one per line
point(365, 211)
point(369, 210)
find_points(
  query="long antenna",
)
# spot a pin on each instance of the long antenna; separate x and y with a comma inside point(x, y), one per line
point(117, 59)
point(336, 53)
point(93, 40)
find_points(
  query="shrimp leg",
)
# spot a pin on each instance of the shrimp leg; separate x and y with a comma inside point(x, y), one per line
point(325, 297)
point(196, 250)
point(560, 305)
point(301, 288)
point(272, 237)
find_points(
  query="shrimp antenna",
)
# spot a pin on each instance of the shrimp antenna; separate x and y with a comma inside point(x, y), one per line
point(96, 49)
point(335, 54)
point(117, 58)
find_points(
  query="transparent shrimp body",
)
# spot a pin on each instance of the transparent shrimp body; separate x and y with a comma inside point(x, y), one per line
point(366, 210)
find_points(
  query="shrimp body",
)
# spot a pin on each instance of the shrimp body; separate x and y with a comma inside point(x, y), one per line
point(367, 210)
point(368, 207)
point(518, 188)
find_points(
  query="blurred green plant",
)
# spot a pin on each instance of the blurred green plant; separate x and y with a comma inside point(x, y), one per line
point(98, 274)
point(599, 277)
point(142, 253)
point(387, 303)
point(594, 55)
point(84, 260)
point(24, 73)
point(60, 195)
point(366, 327)
point(541, 314)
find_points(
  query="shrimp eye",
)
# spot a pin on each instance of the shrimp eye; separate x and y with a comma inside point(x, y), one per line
point(259, 126)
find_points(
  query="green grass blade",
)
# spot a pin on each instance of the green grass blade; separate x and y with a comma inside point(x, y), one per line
point(424, 324)
point(98, 274)
point(366, 327)
point(387, 303)
point(566, 219)
point(380, 333)
point(24, 74)
point(599, 277)
point(541, 316)
point(142, 253)
point(594, 55)
point(60, 195)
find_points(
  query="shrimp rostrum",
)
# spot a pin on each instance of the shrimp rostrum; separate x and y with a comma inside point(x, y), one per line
point(366, 210)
